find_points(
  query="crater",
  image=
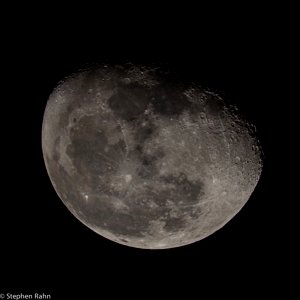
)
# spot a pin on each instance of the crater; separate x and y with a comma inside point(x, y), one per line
point(124, 240)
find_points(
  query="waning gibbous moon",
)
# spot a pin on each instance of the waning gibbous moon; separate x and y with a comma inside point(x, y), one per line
point(145, 159)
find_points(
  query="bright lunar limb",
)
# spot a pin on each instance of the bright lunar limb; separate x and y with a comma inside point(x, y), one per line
point(147, 160)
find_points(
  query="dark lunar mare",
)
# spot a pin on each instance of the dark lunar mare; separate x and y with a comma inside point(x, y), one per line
point(129, 103)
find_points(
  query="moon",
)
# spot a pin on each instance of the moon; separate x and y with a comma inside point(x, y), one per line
point(145, 159)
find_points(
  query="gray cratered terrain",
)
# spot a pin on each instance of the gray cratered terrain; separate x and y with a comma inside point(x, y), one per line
point(146, 160)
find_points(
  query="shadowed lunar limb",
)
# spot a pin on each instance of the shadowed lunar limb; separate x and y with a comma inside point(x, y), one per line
point(147, 161)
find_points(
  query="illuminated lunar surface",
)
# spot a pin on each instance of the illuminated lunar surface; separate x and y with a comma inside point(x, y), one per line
point(146, 160)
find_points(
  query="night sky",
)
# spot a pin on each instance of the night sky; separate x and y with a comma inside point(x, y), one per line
point(44, 245)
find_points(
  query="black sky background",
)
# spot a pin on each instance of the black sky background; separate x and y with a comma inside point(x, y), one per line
point(43, 245)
